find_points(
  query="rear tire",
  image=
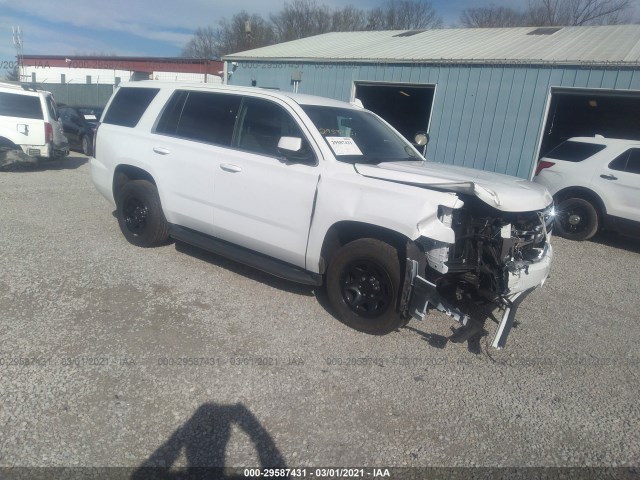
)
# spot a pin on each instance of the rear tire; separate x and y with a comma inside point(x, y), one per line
point(576, 219)
point(363, 284)
point(140, 215)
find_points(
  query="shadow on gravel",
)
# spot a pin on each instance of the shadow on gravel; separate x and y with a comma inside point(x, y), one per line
point(67, 163)
point(204, 438)
point(472, 335)
point(245, 271)
point(617, 240)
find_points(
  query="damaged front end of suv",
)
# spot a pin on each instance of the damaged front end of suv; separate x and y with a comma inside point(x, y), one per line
point(498, 258)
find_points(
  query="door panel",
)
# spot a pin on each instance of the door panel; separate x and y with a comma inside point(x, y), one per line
point(620, 182)
point(261, 201)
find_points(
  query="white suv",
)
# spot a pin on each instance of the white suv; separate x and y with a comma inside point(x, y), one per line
point(29, 123)
point(595, 182)
point(320, 191)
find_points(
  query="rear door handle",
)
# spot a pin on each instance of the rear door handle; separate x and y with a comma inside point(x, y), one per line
point(161, 150)
point(609, 177)
point(228, 167)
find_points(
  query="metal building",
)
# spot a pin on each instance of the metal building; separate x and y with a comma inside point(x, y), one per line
point(495, 99)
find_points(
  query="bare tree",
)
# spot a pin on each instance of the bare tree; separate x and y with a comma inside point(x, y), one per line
point(492, 17)
point(577, 12)
point(204, 44)
point(301, 18)
point(13, 75)
point(304, 18)
point(244, 32)
point(348, 19)
point(404, 15)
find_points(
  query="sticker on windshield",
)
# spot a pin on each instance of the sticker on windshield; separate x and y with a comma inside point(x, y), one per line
point(90, 117)
point(343, 146)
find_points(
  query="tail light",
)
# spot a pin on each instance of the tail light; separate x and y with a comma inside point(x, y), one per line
point(48, 132)
point(542, 164)
point(95, 138)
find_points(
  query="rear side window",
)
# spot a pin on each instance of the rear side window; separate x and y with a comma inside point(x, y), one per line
point(25, 106)
point(51, 106)
point(628, 162)
point(202, 116)
point(571, 151)
point(129, 105)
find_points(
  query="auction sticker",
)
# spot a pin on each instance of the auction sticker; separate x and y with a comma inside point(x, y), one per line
point(343, 146)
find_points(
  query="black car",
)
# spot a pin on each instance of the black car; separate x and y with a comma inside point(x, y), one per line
point(79, 123)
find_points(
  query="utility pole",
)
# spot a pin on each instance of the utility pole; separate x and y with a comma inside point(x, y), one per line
point(18, 43)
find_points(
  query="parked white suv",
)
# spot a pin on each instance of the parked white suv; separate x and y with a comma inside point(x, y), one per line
point(319, 191)
point(29, 123)
point(595, 182)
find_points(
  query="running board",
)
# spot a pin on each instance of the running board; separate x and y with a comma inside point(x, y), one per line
point(245, 256)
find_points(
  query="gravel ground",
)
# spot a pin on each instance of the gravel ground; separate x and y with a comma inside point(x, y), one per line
point(112, 355)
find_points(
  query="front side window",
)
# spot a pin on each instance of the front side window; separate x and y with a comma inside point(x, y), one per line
point(24, 106)
point(262, 124)
point(628, 161)
point(357, 136)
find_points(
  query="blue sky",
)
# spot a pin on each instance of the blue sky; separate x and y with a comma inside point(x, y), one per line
point(144, 27)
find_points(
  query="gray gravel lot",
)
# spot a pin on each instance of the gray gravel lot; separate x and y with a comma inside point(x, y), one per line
point(112, 355)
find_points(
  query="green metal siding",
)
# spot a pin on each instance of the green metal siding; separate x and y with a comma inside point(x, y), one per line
point(484, 116)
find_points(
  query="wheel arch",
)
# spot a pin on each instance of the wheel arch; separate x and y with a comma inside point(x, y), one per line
point(126, 173)
point(7, 143)
point(343, 232)
point(584, 193)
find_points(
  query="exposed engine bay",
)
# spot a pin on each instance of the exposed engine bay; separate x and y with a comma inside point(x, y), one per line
point(497, 259)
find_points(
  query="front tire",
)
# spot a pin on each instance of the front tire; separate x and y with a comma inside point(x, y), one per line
point(363, 284)
point(140, 215)
point(576, 219)
point(86, 145)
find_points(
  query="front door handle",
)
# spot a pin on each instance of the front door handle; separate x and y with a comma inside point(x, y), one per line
point(228, 167)
point(161, 150)
point(609, 177)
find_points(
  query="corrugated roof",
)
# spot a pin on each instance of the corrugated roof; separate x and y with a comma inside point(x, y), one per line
point(593, 45)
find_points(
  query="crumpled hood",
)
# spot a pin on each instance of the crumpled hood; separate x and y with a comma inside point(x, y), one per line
point(503, 192)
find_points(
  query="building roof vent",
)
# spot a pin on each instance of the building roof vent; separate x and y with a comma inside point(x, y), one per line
point(545, 31)
point(409, 33)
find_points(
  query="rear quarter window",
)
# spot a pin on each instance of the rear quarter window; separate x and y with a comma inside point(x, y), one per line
point(24, 106)
point(571, 151)
point(129, 105)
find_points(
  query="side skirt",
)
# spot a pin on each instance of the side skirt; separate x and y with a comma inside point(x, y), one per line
point(245, 256)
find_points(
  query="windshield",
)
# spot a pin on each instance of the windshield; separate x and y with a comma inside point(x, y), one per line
point(357, 136)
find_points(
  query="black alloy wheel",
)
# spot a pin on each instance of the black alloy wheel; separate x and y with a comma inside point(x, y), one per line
point(366, 288)
point(576, 219)
point(363, 285)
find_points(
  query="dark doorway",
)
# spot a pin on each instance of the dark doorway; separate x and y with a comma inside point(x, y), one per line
point(585, 113)
point(407, 107)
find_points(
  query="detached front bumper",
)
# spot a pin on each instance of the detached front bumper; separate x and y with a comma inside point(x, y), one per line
point(420, 295)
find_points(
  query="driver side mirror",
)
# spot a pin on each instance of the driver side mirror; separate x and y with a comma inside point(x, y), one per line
point(292, 149)
point(421, 138)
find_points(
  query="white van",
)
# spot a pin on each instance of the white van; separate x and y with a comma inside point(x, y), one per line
point(29, 122)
